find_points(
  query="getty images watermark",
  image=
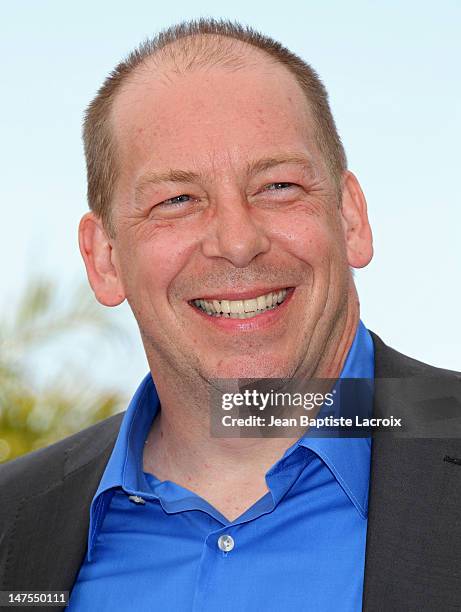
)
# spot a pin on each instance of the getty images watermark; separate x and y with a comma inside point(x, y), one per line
point(308, 401)
point(347, 407)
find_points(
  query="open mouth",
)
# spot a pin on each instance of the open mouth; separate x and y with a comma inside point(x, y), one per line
point(242, 309)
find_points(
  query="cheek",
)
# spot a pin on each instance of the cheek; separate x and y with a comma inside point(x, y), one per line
point(154, 262)
point(312, 239)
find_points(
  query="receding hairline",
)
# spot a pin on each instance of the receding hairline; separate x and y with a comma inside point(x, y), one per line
point(204, 50)
point(196, 52)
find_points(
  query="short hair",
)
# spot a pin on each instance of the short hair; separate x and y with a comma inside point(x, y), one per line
point(187, 41)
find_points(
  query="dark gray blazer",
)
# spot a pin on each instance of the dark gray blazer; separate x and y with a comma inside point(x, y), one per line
point(413, 551)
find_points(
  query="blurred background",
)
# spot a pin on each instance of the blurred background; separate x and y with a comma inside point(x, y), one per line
point(392, 71)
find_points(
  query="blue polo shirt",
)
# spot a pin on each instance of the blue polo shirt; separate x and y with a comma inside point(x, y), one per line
point(300, 547)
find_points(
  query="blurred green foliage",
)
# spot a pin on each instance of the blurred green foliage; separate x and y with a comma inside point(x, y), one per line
point(33, 415)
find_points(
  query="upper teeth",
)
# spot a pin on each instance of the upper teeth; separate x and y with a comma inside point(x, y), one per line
point(242, 308)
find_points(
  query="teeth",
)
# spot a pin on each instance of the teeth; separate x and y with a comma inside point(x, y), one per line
point(242, 309)
point(250, 305)
point(225, 307)
point(261, 302)
point(236, 307)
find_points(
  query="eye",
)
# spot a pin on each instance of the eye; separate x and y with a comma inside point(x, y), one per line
point(174, 201)
point(178, 206)
point(279, 186)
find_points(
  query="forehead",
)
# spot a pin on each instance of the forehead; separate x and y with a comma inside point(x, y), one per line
point(214, 116)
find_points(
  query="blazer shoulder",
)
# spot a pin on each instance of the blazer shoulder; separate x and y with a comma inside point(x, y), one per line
point(392, 364)
point(46, 467)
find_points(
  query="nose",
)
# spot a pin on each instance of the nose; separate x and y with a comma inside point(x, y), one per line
point(234, 233)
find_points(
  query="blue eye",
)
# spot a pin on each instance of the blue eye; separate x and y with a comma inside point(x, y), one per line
point(176, 200)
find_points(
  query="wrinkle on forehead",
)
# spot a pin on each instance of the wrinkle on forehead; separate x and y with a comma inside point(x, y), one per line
point(197, 88)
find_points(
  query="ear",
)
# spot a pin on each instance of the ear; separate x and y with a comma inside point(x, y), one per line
point(357, 230)
point(100, 260)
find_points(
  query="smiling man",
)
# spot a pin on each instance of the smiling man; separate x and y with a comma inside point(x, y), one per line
point(223, 211)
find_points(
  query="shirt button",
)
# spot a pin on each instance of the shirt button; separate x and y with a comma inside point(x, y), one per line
point(136, 499)
point(226, 543)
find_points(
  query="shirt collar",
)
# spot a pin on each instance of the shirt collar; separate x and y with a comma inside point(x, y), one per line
point(347, 458)
point(124, 468)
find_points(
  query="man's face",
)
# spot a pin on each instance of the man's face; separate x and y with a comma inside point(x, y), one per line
point(224, 203)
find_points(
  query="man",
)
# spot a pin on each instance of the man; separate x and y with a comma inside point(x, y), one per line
point(222, 209)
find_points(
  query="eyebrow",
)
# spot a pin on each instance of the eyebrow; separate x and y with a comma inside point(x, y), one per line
point(253, 167)
point(269, 162)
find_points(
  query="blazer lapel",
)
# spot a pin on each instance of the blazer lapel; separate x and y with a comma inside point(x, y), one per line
point(49, 538)
point(413, 537)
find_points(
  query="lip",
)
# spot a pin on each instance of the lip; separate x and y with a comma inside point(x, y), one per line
point(244, 294)
point(256, 323)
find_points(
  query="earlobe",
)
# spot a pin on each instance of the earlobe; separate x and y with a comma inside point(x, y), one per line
point(357, 230)
point(97, 253)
